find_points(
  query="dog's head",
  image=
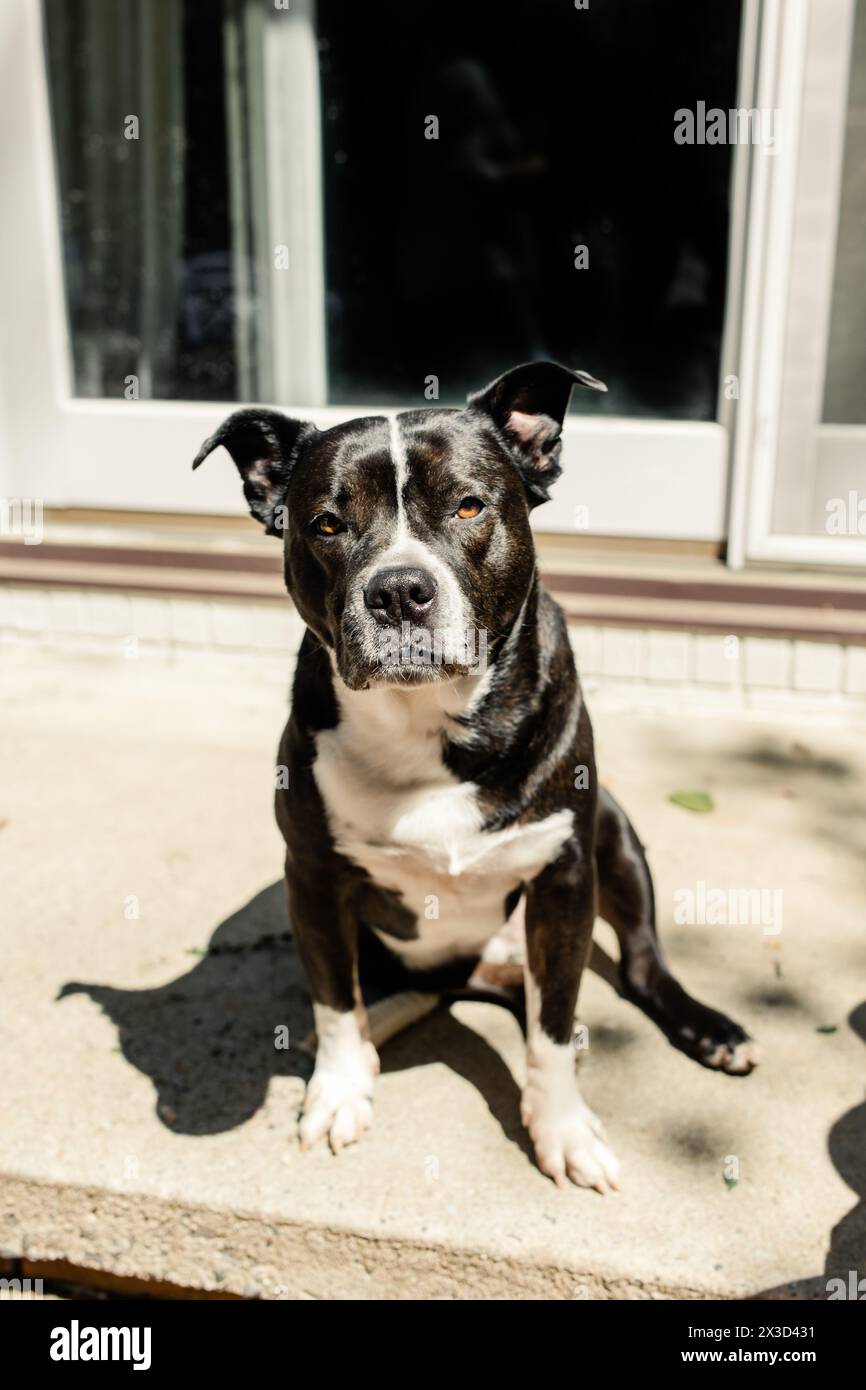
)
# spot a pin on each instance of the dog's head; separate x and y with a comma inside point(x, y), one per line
point(407, 540)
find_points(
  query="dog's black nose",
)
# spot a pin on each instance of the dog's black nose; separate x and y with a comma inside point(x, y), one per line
point(400, 595)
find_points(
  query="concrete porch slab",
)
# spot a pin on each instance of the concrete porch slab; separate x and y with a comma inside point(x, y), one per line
point(149, 1120)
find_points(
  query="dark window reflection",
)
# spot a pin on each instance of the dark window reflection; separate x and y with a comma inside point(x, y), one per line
point(456, 257)
point(451, 257)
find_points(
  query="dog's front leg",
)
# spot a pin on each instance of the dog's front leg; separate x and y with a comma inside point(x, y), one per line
point(339, 1098)
point(560, 912)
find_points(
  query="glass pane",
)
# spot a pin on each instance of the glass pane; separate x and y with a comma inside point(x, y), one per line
point(144, 209)
point(452, 257)
point(845, 392)
point(456, 257)
point(821, 444)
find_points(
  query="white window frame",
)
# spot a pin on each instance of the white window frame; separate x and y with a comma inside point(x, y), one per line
point(623, 476)
point(783, 59)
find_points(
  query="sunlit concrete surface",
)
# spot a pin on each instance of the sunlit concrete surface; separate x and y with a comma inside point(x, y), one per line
point(149, 1121)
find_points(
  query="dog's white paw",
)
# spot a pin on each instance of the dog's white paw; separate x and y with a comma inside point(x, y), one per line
point(334, 1106)
point(569, 1140)
point(571, 1145)
point(339, 1100)
point(735, 1058)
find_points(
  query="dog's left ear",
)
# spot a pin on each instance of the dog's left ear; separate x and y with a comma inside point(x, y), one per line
point(528, 406)
point(265, 446)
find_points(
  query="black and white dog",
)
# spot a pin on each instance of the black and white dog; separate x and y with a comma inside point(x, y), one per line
point(433, 796)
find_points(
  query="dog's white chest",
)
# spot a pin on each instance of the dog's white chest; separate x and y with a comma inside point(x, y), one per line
point(397, 811)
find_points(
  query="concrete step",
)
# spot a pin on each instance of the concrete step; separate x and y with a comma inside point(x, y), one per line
point(149, 1120)
point(659, 585)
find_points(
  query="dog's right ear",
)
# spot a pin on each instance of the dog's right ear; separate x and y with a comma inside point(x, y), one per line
point(265, 446)
point(529, 405)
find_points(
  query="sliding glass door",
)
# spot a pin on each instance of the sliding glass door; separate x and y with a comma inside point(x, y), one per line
point(337, 208)
point(803, 446)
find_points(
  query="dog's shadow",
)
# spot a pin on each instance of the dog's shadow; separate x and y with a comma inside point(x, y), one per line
point(846, 1249)
point(847, 1145)
point(209, 1040)
point(212, 1039)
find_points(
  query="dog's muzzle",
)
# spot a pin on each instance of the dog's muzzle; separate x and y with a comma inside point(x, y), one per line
point(404, 627)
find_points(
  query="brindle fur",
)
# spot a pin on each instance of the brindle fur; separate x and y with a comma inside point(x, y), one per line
point(521, 744)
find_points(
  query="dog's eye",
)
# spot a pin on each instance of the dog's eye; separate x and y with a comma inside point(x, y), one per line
point(327, 524)
point(469, 507)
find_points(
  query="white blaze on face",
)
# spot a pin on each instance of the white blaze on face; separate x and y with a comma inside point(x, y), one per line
point(453, 614)
point(401, 473)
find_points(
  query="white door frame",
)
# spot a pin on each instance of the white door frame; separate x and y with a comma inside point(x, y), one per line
point(622, 476)
point(782, 69)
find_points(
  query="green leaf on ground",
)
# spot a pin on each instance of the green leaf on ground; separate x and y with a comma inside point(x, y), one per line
point(693, 801)
point(730, 1182)
point(196, 951)
point(827, 1028)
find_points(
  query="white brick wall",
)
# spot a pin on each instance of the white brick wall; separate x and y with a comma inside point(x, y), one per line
point(623, 652)
point(717, 659)
point(667, 668)
point(150, 618)
point(669, 657)
point(97, 620)
point(817, 666)
point(855, 674)
point(587, 645)
point(767, 662)
point(646, 666)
